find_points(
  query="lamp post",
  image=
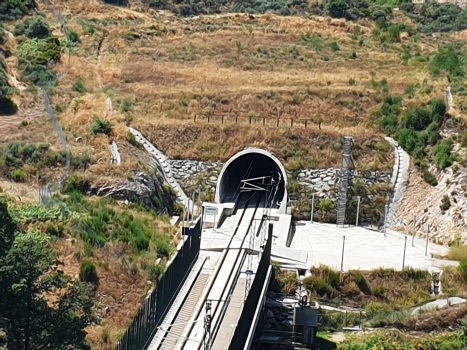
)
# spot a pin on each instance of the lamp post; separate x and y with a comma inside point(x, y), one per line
point(427, 238)
point(342, 260)
point(385, 217)
point(312, 207)
point(403, 259)
point(358, 209)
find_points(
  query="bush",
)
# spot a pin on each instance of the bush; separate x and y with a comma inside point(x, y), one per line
point(337, 8)
point(101, 126)
point(335, 46)
point(379, 291)
point(38, 28)
point(447, 60)
point(318, 285)
point(457, 253)
point(81, 162)
point(351, 289)
point(105, 336)
point(75, 183)
point(373, 309)
point(430, 178)
point(73, 36)
point(79, 86)
point(444, 157)
point(132, 140)
point(88, 250)
point(87, 272)
point(51, 230)
point(17, 175)
point(462, 268)
point(155, 272)
point(127, 106)
point(445, 203)
point(394, 33)
point(134, 268)
point(359, 280)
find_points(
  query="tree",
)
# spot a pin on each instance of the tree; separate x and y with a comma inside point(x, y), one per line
point(33, 321)
point(337, 8)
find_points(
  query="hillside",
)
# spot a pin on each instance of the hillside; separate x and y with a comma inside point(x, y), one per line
point(202, 81)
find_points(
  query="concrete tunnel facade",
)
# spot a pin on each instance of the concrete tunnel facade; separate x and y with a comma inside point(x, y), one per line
point(247, 164)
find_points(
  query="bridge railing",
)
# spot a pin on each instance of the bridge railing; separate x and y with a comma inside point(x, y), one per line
point(249, 309)
point(143, 327)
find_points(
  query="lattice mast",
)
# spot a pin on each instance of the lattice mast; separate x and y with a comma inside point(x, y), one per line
point(344, 181)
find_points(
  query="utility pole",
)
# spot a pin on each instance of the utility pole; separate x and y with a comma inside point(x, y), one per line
point(358, 209)
point(342, 261)
point(403, 259)
point(312, 207)
point(414, 222)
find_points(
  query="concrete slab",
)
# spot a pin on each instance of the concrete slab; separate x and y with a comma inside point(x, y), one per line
point(364, 249)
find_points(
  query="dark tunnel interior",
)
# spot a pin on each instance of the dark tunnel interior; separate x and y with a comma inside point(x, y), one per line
point(249, 166)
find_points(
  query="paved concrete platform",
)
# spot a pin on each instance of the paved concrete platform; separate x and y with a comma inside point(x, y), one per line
point(364, 249)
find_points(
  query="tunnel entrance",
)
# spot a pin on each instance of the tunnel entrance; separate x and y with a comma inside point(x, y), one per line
point(257, 164)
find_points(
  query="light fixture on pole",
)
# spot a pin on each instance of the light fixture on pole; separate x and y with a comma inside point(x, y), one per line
point(358, 209)
point(385, 217)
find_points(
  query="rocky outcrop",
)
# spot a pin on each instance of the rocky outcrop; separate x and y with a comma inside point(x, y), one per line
point(140, 188)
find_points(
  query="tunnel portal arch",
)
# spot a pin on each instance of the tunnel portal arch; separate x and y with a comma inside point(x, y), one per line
point(251, 163)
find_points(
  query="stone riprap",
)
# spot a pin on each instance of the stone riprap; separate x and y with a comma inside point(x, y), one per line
point(322, 180)
point(191, 172)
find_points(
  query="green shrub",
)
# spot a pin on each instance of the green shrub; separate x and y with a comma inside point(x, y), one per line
point(335, 46)
point(51, 230)
point(444, 157)
point(379, 291)
point(394, 33)
point(75, 183)
point(81, 162)
point(373, 309)
point(359, 280)
point(134, 268)
point(17, 175)
point(430, 178)
point(88, 250)
point(101, 126)
point(445, 203)
point(127, 106)
point(73, 36)
point(87, 272)
point(105, 336)
point(462, 268)
point(155, 272)
point(318, 285)
point(447, 60)
point(38, 28)
point(79, 86)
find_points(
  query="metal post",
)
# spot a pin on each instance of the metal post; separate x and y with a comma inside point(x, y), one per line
point(188, 210)
point(385, 217)
point(342, 261)
point(414, 222)
point(312, 207)
point(403, 259)
point(193, 207)
point(358, 209)
point(427, 238)
point(199, 197)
